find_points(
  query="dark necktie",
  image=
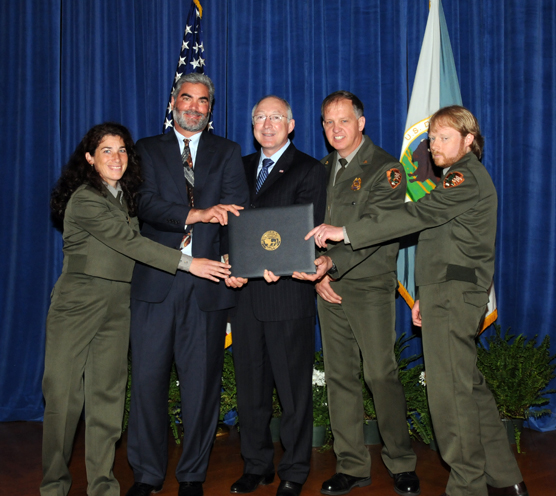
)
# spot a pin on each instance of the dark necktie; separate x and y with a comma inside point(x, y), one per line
point(264, 173)
point(187, 162)
point(343, 163)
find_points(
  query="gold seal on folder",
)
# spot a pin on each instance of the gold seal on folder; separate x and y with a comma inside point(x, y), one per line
point(271, 240)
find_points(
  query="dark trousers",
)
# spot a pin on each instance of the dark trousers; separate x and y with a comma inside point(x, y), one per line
point(268, 353)
point(160, 332)
point(364, 323)
point(87, 337)
point(466, 423)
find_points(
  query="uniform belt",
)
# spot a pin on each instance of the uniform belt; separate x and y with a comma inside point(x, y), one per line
point(461, 273)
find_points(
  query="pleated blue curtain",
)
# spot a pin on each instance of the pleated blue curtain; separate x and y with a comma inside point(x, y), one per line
point(68, 65)
point(30, 152)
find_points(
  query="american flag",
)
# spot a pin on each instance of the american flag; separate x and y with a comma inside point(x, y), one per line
point(191, 56)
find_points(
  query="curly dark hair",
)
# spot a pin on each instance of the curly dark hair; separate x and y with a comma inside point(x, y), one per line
point(78, 171)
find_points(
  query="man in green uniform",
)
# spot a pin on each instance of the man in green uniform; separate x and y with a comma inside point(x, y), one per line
point(357, 305)
point(454, 270)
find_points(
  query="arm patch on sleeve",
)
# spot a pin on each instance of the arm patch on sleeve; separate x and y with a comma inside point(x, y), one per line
point(394, 177)
point(453, 179)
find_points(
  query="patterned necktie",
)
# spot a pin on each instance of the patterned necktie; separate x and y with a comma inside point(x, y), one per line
point(187, 162)
point(343, 163)
point(264, 173)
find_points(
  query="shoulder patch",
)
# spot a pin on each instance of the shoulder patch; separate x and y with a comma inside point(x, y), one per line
point(394, 177)
point(356, 184)
point(453, 179)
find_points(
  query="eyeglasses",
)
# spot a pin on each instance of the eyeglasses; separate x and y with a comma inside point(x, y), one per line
point(261, 118)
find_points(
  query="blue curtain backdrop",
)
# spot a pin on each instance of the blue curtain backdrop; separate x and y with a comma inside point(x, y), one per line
point(68, 65)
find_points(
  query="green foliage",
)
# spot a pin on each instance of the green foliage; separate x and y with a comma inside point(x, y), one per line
point(228, 397)
point(276, 406)
point(413, 383)
point(517, 373)
point(174, 405)
point(321, 415)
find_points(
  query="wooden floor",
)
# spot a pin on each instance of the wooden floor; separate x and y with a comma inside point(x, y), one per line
point(20, 465)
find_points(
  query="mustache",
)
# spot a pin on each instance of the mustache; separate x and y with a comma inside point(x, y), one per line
point(192, 113)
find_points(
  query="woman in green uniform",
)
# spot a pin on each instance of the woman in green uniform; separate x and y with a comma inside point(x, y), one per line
point(87, 328)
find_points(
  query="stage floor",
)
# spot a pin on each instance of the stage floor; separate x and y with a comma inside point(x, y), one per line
point(20, 465)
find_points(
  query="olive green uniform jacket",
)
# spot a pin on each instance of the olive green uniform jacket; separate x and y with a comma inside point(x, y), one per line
point(457, 221)
point(365, 320)
point(454, 270)
point(87, 336)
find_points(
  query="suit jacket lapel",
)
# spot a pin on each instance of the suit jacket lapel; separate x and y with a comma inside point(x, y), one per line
point(204, 159)
point(172, 160)
point(280, 168)
point(251, 173)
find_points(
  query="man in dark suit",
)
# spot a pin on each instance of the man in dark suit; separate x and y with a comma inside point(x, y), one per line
point(192, 180)
point(357, 304)
point(274, 323)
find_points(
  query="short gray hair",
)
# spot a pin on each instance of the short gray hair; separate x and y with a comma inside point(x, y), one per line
point(194, 78)
point(285, 102)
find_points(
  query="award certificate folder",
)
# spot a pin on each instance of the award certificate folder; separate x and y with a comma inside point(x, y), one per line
point(273, 239)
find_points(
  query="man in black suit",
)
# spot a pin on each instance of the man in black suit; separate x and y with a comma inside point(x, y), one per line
point(180, 316)
point(274, 323)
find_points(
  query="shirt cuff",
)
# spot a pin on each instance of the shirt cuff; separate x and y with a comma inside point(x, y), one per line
point(346, 237)
point(185, 262)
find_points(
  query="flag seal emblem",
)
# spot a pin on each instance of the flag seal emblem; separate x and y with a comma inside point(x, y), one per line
point(453, 179)
point(394, 177)
point(356, 184)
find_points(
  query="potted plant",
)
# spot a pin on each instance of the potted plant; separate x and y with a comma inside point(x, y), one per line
point(414, 385)
point(517, 371)
point(321, 416)
point(228, 396)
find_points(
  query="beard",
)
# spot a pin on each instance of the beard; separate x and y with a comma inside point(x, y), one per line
point(191, 125)
point(445, 161)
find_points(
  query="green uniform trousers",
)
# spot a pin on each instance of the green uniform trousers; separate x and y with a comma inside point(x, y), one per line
point(364, 323)
point(87, 337)
point(468, 429)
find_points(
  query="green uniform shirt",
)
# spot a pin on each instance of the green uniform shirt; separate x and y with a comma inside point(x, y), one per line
point(457, 221)
point(102, 240)
point(373, 179)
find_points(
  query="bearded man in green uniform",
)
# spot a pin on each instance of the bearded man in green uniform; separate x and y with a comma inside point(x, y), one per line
point(356, 305)
point(454, 270)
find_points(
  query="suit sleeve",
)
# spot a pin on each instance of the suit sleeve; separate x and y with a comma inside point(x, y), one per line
point(313, 190)
point(94, 215)
point(234, 189)
point(382, 197)
point(153, 209)
point(234, 185)
point(437, 208)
